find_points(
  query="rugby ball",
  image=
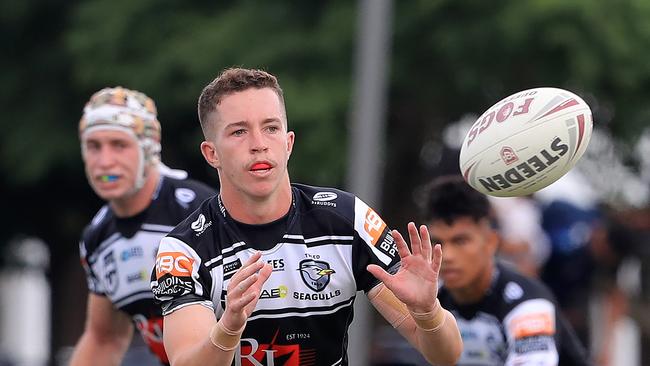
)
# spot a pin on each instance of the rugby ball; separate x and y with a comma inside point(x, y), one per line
point(525, 142)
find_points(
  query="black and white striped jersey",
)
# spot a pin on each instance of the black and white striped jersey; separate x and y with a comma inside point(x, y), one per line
point(119, 253)
point(516, 323)
point(319, 252)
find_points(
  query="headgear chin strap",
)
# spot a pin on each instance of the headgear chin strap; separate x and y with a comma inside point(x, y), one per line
point(129, 111)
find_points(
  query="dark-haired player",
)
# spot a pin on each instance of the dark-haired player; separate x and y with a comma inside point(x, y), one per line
point(505, 318)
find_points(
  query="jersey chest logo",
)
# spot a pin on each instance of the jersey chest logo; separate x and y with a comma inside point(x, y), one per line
point(315, 274)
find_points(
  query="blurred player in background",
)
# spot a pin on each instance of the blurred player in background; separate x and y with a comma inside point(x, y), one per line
point(120, 146)
point(505, 318)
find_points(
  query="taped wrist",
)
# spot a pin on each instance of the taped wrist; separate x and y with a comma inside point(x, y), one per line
point(389, 306)
point(430, 321)
point(225, 339)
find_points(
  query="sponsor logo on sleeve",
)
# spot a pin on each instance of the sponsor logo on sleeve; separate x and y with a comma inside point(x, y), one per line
point(173, 274)
point(373, 225)
point(534, 324)
point(173, 263)
point(388, 246)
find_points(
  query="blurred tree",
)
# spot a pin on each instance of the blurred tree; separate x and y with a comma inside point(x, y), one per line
point(171, 50)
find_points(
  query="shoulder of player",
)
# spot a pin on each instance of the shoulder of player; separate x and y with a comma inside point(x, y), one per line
point(326, 199)
point(516, 289)
point(96, 230)
point(188, 190)
point(177, 198)
point(197, 229)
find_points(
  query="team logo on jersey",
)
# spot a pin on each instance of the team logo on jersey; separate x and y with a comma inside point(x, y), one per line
point(315, 274)
point(200, 225)
point(110, 274)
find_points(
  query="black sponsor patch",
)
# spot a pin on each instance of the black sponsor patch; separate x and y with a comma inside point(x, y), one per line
point(168, 285)
point(532, 344)
point(231, 267)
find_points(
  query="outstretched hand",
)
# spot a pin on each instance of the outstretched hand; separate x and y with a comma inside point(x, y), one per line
point(416, 282)
point(244, 290)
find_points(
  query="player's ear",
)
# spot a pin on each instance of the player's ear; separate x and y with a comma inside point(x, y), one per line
point(210, 154)
point(291, 137)
point(492, 240)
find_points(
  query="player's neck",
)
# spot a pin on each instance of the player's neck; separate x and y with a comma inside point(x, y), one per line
point(257, 210)
point(476, 290)
point(140, 200)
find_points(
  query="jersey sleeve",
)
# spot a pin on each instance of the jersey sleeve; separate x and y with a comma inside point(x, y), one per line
point(94, 284)
point(531, 333)
point(179, 277)
point(376, 246)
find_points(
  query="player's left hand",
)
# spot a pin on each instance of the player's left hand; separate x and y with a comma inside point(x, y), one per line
point(416, 282)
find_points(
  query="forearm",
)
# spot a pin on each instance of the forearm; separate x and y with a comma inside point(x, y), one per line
point(434, 334)
point(217, 349)
point(93, 350)
point(441, 345)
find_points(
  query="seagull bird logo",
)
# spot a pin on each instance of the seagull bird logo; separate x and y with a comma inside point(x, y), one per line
point(315, 274)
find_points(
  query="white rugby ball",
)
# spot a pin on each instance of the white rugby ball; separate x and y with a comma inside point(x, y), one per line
point(525, 142)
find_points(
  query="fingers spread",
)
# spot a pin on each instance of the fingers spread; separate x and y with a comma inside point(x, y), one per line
point(402, 248)
point(379, 273)
point(426, 242)
point(414, 237)
point(437, 258)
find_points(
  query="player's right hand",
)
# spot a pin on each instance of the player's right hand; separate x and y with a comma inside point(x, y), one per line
point(244, 290)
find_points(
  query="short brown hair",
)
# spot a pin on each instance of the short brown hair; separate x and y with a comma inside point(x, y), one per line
point(230, 81)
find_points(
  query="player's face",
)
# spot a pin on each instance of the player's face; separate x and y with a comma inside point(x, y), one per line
point(111, 161)
point(251, 146)
point(468, 248)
